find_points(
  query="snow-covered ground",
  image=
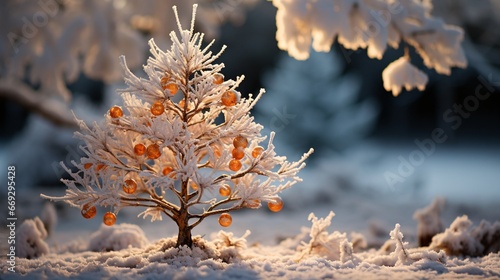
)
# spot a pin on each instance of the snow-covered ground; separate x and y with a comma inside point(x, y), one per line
point(351, 185)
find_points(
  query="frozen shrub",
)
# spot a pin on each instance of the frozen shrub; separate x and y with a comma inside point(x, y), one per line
point(30, 239)
point(184, 145)
point(461, 239)
point(429, 221)
point(334, 246)
point(401, 254)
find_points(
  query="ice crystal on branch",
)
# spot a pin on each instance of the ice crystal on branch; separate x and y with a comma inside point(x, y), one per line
point(183, 145)
point(370, 24)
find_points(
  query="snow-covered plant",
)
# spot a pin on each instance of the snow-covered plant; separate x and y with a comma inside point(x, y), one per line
point(462, 239)
point(184, 145)
point(429, 221)
point(334, 246)
point(374, 25)
point(400, 251)
point(402, 255)
point(30, 239)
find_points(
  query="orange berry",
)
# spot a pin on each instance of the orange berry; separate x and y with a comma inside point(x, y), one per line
point(100, 166)
point(218, 78)
point(139, 149)
point(240, 142)
point(171, 87)
point(167, 170)
point(275, 206)
point(115, 112)
point(109, 219)
point(130, 186)
point(157, 108)
point(235, 165)
point(229, 98)
point(153, 151)
point(225, 219)
point(164, 81)
point(88, 212)
point(225, 190)
point(238, 153)
point(257, 151)
point(87, 165)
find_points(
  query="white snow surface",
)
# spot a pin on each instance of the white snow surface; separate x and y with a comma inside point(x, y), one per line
point(223, 256)
point(366, 212)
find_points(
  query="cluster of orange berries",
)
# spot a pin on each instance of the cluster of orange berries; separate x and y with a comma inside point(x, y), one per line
point(168, 85)
point(89, 212)
point(98, 167)
point(228, 98)
point(152, 151)
point(129, 186)
point(239, 144)
point(109, 218)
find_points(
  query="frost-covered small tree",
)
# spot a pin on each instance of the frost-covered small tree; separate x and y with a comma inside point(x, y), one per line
point(184, 145)
point(374, 25)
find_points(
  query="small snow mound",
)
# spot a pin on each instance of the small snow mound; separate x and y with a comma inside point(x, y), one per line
point(224, 248)
point(117, 238)
point(165, 251)
point(30, 239)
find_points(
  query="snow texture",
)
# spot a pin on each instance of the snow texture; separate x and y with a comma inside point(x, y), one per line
point(117, 238)
point(370, 24)
point(30, 239)
point(401, 74)
point(228, 257)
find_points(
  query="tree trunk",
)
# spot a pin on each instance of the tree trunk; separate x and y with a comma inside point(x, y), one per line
point(184, 237)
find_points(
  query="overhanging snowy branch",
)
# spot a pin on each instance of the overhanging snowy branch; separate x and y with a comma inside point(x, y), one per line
point(370, 24)
point(53, 110)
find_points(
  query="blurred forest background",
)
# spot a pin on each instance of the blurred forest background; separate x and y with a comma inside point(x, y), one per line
point(334, 102)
